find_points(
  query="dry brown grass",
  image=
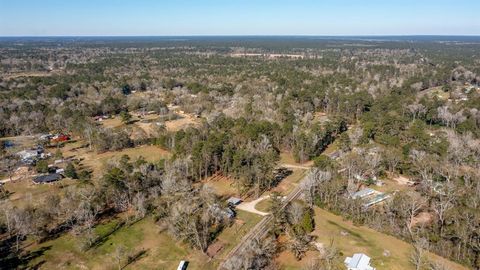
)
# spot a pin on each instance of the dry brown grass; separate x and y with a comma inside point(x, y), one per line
point(290, 182)
point(96, 161)
point(151, 153)
point(434, 92)
point(20, 142)
point(286, 157)
point(25, 191)
point(182, 123)
point(114, 122)
point(222, 185)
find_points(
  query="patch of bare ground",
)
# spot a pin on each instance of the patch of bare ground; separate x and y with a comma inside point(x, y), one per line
point(403, 180)
point(422, 218)
point(185, 121)
point(287, 159)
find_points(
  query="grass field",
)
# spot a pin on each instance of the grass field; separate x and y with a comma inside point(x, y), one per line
point(434, 91)
point(284, 188)
point(331, 148)
point(182, 123)
point(20, 143)
point(114, 122)
point(290, 182)
point(135, 122)
point(96, 162)
point(287, 158)
point(350, 239)
point(161, 251)
point(264, 205)
point(232, 235)
point(222, 185)
point(25, 191)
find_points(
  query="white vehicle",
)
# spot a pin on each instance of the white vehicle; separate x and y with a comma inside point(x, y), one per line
point(182, 265)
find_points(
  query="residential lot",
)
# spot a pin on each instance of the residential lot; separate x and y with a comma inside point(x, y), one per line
point(387, 252)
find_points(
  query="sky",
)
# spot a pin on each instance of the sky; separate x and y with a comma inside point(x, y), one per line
point(238, 17)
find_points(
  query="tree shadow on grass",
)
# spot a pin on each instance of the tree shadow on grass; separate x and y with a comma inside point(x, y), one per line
point(103, 238)
point(350, 232)
point(21, 260)
point(135, 257)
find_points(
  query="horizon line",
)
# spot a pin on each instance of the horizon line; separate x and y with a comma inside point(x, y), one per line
point(253, 35)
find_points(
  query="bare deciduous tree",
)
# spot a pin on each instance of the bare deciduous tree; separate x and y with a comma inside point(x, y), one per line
point(418, 256)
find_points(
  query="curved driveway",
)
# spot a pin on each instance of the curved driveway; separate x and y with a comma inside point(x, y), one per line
point(250, 206)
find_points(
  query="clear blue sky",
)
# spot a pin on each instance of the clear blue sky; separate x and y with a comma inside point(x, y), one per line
point(239, 17)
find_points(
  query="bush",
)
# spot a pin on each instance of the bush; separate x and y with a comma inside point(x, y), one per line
point(70, 171)
point(308, 223)
point(323, 162)
point(42, 166)
point(58, 154)
point(126, 117)
point(84, 175)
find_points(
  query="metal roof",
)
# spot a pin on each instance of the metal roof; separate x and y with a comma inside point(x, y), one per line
point(359, 261)
point(362, 193)
point(47, 178)
point(234, 200)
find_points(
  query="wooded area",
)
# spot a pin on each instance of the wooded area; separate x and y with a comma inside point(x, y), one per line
point(364, 113)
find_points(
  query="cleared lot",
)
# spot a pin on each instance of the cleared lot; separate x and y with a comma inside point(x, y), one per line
point(350, 239)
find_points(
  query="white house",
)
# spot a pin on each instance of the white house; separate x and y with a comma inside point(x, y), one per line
point(358, 261)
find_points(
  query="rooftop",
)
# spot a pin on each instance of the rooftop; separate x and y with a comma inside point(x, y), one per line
point(363, 193)
point(47, 178)
point(359, 261)
point(234, 200)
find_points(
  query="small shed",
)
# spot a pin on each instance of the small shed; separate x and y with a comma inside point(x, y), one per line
point(234, 201)
point(45, 179)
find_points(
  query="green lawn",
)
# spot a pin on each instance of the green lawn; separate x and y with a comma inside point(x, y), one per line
point(350, 239)
point(264, 205)
point(232, 235)
point(290, 182)
point(161, 251)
